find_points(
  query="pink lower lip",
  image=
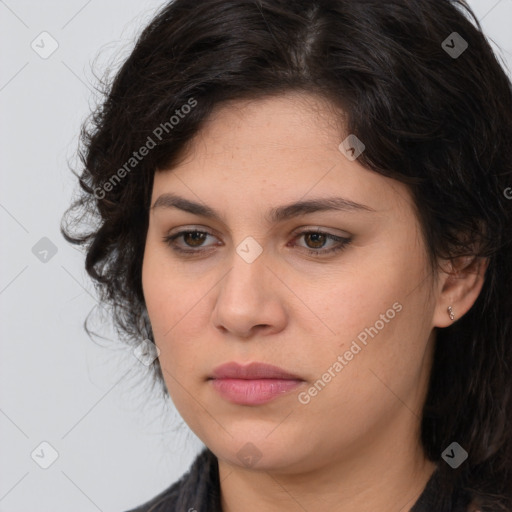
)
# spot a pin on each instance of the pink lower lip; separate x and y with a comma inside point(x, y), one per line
point(253, 391)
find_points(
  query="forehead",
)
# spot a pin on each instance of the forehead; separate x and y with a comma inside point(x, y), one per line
point(286, 147)
point(290, 120)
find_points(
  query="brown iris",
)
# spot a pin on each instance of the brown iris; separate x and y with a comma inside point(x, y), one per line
point(316, 240)
point(195, 237)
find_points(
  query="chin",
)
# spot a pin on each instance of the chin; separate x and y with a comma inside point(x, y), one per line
point(260, 454)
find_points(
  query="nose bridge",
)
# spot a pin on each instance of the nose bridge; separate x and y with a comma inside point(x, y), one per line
point(243, 284)
point(247, 297)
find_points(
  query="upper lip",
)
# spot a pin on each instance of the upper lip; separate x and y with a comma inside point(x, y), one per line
point(251, 371)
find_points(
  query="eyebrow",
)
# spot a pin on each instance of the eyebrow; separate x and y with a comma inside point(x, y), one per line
point(275, 215)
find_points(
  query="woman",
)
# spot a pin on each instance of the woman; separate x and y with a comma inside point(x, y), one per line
point(305, 207)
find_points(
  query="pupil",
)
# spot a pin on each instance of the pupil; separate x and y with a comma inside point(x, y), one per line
point(316, 236)
point(196, 237)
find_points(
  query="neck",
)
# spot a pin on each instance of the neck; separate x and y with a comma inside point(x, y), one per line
point(376, 475)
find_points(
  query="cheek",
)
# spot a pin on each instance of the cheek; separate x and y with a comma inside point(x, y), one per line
point(174, 303)
point(163, 289)
point(381, 340)
point(378, 304)
point(356, 297)
point(160, 298)
point(154, 291)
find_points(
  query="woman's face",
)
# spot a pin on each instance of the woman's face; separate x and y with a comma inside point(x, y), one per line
point(353, 325)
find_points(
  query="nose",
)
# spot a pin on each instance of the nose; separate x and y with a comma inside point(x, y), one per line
point(250, 300)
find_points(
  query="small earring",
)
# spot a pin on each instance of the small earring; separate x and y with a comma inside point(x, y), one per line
point(450, 312)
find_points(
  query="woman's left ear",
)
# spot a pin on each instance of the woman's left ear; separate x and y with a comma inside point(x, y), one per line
point(458, 289)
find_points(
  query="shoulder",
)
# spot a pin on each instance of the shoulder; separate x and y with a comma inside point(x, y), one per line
point(441, 496)
point(163, 502)
point(197, 489)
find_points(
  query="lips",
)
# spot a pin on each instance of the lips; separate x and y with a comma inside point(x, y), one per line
point(252, 371)
point(253, 384)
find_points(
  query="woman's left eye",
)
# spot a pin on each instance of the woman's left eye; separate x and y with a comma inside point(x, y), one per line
point(318, 240)
point(315, 239)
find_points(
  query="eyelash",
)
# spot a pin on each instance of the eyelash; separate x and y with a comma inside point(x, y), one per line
point(342, 242)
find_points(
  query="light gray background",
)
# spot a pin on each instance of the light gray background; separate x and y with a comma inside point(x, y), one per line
point(115, 447)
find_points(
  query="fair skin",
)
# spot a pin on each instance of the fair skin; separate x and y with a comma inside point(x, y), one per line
point(354, 446)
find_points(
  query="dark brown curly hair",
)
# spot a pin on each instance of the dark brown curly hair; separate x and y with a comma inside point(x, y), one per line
point(437, 121)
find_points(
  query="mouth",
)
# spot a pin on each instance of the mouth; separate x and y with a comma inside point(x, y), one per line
point(254, 384)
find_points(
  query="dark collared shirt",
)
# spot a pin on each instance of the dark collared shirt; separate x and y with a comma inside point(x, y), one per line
point(199, 491)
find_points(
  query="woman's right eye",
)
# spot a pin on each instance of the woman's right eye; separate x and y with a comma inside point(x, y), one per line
point(192, 238)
